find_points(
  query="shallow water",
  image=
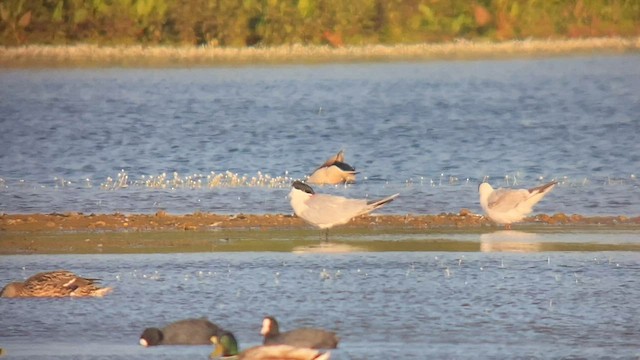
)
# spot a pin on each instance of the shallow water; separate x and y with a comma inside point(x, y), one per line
point(100, 140)
point(412, 305)
point(430, 131)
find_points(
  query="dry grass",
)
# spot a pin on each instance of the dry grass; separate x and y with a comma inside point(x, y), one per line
point(158, 56)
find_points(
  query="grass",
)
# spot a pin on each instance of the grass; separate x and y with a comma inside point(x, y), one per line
point(159, 56)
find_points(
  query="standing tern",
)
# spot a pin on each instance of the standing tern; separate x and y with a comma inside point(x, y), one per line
point(326, 211)
point(506, 206)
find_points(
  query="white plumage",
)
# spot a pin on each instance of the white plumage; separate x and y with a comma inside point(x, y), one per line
point(326, 211)
point(506, 206)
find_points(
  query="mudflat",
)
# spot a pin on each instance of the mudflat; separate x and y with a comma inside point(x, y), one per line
point(162, 232)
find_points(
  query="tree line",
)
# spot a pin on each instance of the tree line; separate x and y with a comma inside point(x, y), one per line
point(239, 23)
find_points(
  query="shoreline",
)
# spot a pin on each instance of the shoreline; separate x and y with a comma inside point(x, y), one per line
point(202, 221)
point(85, 55)
point(75, 233)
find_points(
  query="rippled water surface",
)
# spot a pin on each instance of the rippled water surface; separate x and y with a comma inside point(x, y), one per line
point(230, 140)
point(100, 140)
point(384, 305)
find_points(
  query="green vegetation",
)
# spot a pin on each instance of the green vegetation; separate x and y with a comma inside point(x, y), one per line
point(232, 23)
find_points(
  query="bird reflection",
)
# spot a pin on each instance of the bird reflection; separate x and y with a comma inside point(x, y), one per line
point(510, 241)
point(327, 248)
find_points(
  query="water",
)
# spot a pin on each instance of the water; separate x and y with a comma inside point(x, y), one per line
point(107, 140)
point(100, 140)
point(390, 304)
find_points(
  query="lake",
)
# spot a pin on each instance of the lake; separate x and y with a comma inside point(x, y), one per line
point(185, 140)
point(408, 305)
point(231, 139)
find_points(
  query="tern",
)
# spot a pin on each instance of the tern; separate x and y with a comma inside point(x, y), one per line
point(506, 206)
point(334, 171)
point(326, 211)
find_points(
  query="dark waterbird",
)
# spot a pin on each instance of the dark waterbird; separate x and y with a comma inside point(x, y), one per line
point(183, 332)
point(303, 337)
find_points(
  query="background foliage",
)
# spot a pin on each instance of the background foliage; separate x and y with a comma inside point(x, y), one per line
point(238, 23)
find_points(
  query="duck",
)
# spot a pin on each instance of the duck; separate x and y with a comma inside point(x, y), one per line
point(182, 332)
point(333, 171)
point(506, 206)
point(58, 283)
point(226, 346)
point(303, 337)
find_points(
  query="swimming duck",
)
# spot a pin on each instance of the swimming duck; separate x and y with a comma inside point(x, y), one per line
point(227, 346)
point(334, 171)
point(506, 206)
point(303, 337)
point(59, 283)
point(183, 332)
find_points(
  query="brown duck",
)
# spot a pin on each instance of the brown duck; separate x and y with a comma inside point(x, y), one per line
point(59, 283)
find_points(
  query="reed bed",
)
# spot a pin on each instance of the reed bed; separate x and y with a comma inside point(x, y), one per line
point(139, 55)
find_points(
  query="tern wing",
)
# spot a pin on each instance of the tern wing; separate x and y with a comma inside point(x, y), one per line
point(537, 193)
point(380, 203)
point(507, 199)
point(333, 210)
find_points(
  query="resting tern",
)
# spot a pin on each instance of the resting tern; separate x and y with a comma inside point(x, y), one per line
point(506, 206)
point(334, 171)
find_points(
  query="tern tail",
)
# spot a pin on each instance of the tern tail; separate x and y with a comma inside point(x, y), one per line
point(543, 188)
point(381, 202)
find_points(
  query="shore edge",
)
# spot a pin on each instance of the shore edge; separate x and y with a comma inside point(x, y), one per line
point(87, 55)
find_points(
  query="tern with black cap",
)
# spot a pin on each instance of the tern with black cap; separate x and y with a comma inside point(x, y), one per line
point(326, 211)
